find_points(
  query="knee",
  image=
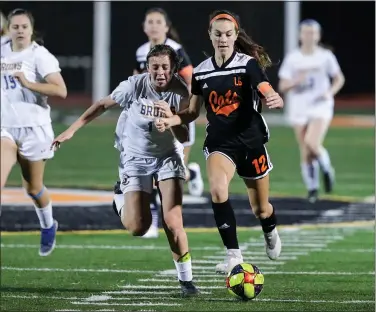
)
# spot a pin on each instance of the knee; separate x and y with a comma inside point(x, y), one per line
point(312, 147)
point(137, 227)
point(35, 190)
point(262, 211)
point(218, 191)
point(173, 221)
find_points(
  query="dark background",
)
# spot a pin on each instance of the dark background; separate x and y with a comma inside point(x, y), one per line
point(349, 27)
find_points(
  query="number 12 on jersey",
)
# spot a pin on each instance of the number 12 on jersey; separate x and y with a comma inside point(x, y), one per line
point(9, 82)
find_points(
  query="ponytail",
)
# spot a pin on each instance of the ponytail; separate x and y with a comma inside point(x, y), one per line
point(244, 44)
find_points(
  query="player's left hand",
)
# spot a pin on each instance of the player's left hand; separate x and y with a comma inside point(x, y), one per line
point(274, 101)
point(160, 124)
point(164, 108)
point(22, 79)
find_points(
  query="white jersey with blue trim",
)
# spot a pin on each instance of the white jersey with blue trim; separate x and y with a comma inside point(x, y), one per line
point(21, 107)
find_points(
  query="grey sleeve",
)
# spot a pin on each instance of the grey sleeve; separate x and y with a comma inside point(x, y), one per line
point(124, 92)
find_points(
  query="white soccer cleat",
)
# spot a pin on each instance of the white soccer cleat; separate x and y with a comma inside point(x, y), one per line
point(151, 233)
point(233, 258)
point(273, 244)
point(196, 185)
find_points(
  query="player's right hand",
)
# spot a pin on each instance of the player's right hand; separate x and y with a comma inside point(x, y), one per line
point(65, 136)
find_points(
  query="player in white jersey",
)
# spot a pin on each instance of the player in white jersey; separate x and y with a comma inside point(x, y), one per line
point(29, 74)
point(147, 154)
point(158, 28)
point(305, 77)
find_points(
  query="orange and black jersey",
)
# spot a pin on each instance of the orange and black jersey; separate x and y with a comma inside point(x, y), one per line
point(232, 101)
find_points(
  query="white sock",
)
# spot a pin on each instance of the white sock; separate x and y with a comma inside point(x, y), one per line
point(324, 160)
point(184, 268)
point(235, 252)
point(307, 176)
point(154, 215)
point(119, 201)
point(315, 174)
point(45, 216)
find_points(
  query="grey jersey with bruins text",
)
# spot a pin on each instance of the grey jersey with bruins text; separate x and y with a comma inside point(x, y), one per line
point(140, 138)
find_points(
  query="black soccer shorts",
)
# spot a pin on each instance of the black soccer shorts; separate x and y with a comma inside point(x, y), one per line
point(250, 163)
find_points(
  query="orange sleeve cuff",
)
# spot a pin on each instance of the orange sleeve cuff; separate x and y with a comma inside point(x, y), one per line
point(186, 72)
point(265, 88)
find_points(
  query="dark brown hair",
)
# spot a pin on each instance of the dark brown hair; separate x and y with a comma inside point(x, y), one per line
point(164, 49)
point(172, 33)
point(244, 43)
point(36, 36)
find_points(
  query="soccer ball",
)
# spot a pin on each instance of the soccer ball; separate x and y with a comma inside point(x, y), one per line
point(245, 281)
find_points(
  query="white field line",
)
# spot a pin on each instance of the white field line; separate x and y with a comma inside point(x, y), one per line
point(114, 247)
point(77, 270)
point(298, 245)
point(262, 253)
point(173, 272)
point(40, 297)
point(349, 250)
point(216, 261)
point(170, 280)
point(98, 298)
point(251, 258)
point(140, 292)
point(298, 300)
point(162, 287)
point(139, 304)
point(309, 237)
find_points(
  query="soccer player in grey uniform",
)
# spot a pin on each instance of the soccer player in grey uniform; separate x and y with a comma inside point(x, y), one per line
point(147, 154)
point(158, 28)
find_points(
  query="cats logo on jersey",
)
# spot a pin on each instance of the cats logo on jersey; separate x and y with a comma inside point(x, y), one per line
point(224, 104)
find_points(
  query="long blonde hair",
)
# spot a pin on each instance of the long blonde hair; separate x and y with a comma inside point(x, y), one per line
point(3, 26)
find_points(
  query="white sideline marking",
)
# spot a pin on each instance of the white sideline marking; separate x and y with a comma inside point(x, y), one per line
point(249, 258)
point(297, 300)
point(140, 292)
point(97, 298)
point(129, 304)
point(162, 287)
point(349, 250)
point(115, 247)
point(215, 262)
point(319, 273)
point(173, 272)
point(170, 280)
point(135, 292)
point(40, 297)
point(310, 237)
point(77, 270)
point(288, 253)
point(287, 244)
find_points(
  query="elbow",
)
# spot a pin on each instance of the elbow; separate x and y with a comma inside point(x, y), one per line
point(62, 93)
